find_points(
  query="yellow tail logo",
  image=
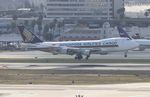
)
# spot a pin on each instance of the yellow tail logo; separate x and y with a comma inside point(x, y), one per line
point(28, 36)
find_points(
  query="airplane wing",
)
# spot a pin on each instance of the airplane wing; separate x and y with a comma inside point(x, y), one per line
point(69, 50)
point(74, 51)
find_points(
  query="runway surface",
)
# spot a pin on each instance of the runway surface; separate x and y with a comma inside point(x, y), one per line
point(118, 90)
point(39, 54)
point(74, 68)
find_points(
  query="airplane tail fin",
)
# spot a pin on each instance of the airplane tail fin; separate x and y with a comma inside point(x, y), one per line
point(122, 32)
point(27, 36)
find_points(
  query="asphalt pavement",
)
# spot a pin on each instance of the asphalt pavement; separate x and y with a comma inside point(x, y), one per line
point(116, 90)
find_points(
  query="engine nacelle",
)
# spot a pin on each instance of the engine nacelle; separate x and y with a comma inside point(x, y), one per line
point(61, 50)
point(141, 48)
point(65, 50)
point(85, 52)
point(103, 53)
point(71, 51)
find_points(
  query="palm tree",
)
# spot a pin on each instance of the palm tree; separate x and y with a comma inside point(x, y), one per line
point(8, 28)
point(55, 21)
point(39, 23)
point(26, 22)
point(52, 27)
point(14, 23)
point(60, 26)
point(82, 23)
point(33, 23)
point(121, 12)
point(45, 32)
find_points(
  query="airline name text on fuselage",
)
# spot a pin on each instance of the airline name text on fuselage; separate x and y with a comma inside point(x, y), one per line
point(89, 44)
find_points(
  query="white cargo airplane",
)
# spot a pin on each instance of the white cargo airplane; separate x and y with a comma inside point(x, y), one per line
point(77, 48)
point(143, 43)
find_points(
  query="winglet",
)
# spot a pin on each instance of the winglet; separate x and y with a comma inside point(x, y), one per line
point(28, 37)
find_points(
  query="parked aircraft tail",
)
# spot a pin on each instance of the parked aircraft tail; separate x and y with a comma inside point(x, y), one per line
point(122, 32)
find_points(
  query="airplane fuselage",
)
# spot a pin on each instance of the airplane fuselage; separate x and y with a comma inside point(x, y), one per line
point(143, 44)
point(78, 48)
point(105, 45)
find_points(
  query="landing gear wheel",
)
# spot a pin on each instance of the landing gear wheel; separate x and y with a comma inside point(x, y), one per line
point(125, 56)
point(78, 57)
point(87, 57)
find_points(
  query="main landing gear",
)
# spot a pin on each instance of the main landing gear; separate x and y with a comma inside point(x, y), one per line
point(79, 56)
point(87, 57)
point(125, 54)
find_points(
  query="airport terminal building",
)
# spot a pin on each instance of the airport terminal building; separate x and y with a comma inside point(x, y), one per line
point(79, 9)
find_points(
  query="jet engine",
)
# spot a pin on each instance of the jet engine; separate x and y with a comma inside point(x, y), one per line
point(103, 53)
point(65, 50)
point(85, 52)
point(71, 51)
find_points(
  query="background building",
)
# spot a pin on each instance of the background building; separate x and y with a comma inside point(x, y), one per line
point(137, 8)
point(88, 9)
point(137, 2)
